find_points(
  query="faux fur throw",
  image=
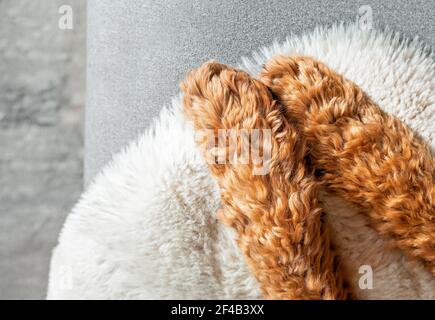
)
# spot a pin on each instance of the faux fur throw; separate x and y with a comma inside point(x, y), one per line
point(147, 227)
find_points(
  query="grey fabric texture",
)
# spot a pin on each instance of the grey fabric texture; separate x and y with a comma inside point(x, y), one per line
point(42, 97)
point(139, 50)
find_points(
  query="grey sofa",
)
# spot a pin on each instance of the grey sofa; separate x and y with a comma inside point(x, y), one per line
point(139, 50)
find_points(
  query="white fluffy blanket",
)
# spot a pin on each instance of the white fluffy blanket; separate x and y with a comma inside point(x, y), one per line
point(146, 227)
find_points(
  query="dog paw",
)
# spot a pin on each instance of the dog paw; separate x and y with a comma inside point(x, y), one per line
point(218, 96)
point(224, 102)
point(309, 90)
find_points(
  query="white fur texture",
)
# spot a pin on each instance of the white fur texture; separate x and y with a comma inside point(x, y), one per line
point(146, 226)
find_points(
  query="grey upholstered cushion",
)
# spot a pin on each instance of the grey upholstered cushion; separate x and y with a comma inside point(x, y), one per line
point(138, 50)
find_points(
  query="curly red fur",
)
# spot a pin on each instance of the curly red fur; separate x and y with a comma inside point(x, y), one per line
point(276, 216)
point(360, 152)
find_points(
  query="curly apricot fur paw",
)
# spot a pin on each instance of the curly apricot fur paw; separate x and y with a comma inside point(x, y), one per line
point(364, 154)
point(276, 215)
